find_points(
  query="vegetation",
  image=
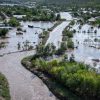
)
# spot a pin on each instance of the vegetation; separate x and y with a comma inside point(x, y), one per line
point(3, 32)
point(97, 22)
point(67, 37)
point(14, 22)
point(31, 14)
point(70, 44)
point(44, 36)
point(72, 22)
point(4, 89)
point(58, 17)
point(45, 51)
point(68, 33)
point(78, 77)
point(86, 13)
point(62, 49)
point(2, 45)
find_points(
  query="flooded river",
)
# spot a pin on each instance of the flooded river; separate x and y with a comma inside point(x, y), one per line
point(23, 84)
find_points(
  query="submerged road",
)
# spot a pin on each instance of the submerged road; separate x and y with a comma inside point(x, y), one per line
point(56, 35)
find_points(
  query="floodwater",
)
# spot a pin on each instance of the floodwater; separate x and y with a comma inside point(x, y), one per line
point(85, 52)
point(56, 35)
point(30, 36)
point(23, 84)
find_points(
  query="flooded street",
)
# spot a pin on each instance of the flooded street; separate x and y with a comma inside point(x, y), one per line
point(56, 34)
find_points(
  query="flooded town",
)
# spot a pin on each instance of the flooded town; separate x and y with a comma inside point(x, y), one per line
point(49, 52)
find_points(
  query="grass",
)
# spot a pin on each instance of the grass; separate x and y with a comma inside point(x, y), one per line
point(4, 88)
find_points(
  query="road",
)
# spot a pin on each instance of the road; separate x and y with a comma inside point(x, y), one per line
point(56, 35)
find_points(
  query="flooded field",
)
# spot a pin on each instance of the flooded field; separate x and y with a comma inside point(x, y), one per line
point(22, 81)
point(30, 36)
point(87, 41)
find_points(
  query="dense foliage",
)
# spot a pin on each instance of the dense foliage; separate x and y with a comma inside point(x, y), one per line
point(57, 1)
point(3, 32)
point(31, 14)
point(67, 38)
point(75, 76)
point(14, 22)
point(4, 89)
point(45, 51)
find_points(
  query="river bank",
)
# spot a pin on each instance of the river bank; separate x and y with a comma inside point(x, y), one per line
point(4, 88)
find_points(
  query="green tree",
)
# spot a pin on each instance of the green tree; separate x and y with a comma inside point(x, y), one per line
point(14, 22)
point(58, 17)
point(70, 44)
point(3, 32)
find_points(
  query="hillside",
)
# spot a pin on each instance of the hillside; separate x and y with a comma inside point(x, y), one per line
point(58, 2)
point(55, 1)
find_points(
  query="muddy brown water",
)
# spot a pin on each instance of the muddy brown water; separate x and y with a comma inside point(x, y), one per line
point(23, 84)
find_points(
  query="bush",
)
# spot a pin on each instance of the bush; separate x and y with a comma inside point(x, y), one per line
point(68, 33)
point(76, 76)
point(45, 51)
point(14, 22)
point(3, 32)
point(4, 89)
point(58, 17)
point(70, 44)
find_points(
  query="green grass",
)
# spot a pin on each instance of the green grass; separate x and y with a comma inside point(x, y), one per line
point(4, 89)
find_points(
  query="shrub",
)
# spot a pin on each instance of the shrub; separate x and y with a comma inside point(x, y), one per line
point(3, 32)
point(14, 22)
point(70, 44)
